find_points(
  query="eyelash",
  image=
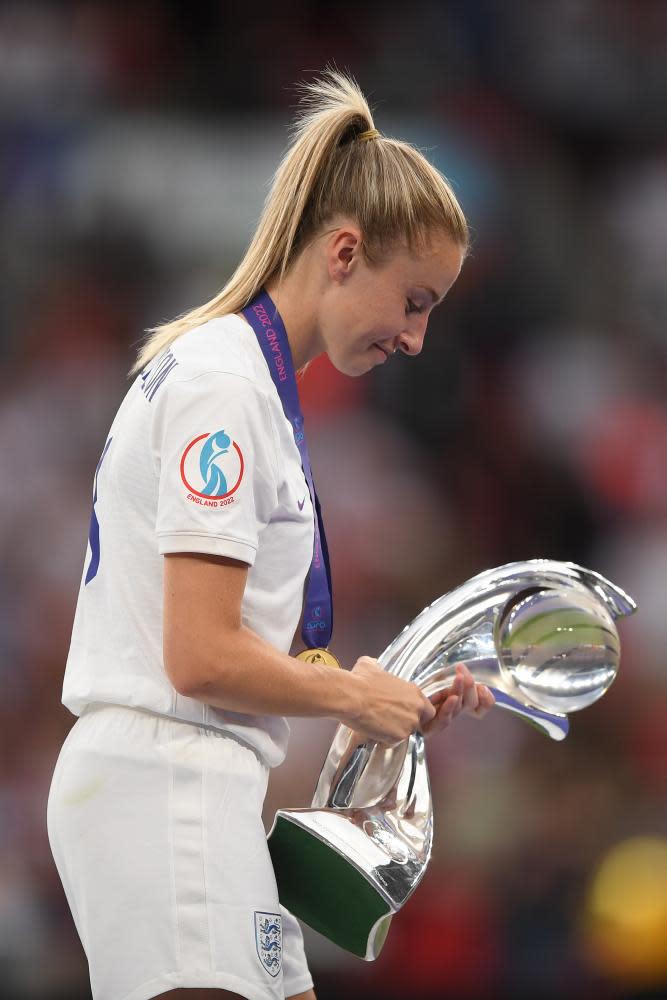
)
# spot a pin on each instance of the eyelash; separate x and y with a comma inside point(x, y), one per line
point(412, 307)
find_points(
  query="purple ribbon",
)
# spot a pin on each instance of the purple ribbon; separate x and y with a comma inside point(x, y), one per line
point(271, 335)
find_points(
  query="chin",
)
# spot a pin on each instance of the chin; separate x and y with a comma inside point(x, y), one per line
point(352, 365)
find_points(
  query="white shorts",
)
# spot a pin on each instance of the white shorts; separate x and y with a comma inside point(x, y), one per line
point(155, 827)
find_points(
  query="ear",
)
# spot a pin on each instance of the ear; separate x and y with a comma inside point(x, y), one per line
point(343, 251)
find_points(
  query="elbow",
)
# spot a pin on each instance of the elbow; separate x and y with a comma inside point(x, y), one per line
point(192, 677)
point(183, 667)
point(183, 677)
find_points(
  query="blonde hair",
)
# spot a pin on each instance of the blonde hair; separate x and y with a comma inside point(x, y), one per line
point(387, 185)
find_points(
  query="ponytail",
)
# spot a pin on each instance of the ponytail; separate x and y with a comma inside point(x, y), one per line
point(337, 163)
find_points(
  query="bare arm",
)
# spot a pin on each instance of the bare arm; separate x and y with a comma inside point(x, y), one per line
point(211, 656)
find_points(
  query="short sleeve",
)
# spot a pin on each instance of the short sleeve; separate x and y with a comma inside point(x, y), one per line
point(213, 443)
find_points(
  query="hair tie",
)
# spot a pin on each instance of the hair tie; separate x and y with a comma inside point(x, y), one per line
point(371, 133)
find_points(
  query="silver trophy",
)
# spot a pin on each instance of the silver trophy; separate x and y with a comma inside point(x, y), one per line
point(541, 635)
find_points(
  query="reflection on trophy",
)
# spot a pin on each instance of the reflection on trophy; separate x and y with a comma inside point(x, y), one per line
point(541, 635)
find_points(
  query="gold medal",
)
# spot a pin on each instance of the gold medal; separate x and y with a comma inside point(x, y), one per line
point(318, 655)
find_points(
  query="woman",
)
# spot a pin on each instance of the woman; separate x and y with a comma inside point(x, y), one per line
point(205, 542)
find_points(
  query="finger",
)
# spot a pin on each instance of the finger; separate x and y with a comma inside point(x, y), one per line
point(450, 709)
point(447, 712)
point(464, 679)
point(470, 694)
point(479, 702)
point(486, 701)
point(487, 696)
point(458, 684)
point(441, 696)
point(471, 697)
point(463, 672)
point(488, 693)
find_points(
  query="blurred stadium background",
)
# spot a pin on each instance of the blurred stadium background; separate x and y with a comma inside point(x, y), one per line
point(136, 144)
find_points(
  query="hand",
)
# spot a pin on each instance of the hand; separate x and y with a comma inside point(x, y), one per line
point(386, 708)
point(463, 696)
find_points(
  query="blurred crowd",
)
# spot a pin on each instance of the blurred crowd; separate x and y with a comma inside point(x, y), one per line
point(136, 145)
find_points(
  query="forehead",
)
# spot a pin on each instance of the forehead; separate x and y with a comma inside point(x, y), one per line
point(436, 264)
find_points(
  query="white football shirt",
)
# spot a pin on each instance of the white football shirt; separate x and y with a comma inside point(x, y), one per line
point(199, 458)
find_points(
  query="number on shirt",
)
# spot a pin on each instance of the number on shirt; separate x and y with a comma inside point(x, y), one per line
point(94, 533)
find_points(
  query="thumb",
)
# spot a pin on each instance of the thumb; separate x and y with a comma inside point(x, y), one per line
point(427, 713)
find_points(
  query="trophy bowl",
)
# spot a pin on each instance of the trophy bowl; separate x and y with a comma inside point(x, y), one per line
point(559, 648)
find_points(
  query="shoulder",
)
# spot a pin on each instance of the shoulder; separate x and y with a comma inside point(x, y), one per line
point(214, 372)
point(222, 350)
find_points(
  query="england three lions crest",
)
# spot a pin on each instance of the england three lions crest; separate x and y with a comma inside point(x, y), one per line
point(269, 941)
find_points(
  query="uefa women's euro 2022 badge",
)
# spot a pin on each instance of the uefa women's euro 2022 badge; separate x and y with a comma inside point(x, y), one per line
point(269, 941)
point(212, 469)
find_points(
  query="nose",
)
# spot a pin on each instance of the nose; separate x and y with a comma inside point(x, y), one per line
point(411, 340)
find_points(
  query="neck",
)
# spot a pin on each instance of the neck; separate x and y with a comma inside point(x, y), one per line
point(295, 298)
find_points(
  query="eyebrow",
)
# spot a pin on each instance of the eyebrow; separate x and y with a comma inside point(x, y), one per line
point(434, 295)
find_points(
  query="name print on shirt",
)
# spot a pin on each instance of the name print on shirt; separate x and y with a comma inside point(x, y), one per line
point(153, 377)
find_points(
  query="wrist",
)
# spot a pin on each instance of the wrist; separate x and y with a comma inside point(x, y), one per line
point(349, 697)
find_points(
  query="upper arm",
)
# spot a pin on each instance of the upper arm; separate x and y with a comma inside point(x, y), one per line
point(217, 488)
point(202, 603)
point(215, 460)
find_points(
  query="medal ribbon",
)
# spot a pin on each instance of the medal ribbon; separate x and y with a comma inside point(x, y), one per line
point(271, 335)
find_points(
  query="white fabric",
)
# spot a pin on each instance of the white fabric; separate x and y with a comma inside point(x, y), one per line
point(155, 827)
point(199, 458)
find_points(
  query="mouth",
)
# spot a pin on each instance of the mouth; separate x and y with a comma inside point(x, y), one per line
point(385, 354)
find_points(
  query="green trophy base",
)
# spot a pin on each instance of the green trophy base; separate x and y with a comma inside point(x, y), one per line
point(322, 887)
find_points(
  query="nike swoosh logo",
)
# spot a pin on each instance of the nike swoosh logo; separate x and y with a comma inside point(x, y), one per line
point(301, 503)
